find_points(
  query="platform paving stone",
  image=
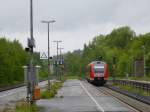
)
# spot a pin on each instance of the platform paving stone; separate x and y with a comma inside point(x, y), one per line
point(73, 98)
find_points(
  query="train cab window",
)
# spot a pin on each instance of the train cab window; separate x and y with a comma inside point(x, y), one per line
point(99, 69)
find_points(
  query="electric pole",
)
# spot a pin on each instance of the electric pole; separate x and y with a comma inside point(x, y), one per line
point(144, 60)
point(31, 71)
point(61, 57)
point(31, 44)
point(61, 62)
point(57, 42)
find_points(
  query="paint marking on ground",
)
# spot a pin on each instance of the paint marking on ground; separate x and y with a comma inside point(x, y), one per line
point(97, 104)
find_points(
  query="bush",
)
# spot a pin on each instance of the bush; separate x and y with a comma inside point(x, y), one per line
point(47, 94)
point(26, 107)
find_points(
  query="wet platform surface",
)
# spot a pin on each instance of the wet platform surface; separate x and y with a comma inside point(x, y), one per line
point(9, 97)
point(78, 96)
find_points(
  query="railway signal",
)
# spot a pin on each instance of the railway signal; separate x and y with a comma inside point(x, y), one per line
point(31, 71)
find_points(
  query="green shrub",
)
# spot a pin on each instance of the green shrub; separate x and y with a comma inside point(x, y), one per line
point(26, 107)
point(47, 94)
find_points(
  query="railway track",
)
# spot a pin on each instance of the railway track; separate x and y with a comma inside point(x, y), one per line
point(135, 105)
point(137, 85)
point(11, 87)
point(15, 86)
point(104, 90)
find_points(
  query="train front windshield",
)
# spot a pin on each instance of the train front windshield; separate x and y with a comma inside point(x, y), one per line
point(99, 69)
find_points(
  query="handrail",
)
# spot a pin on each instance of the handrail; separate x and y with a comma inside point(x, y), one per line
point(141, 85)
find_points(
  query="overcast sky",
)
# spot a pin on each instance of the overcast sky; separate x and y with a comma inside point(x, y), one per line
point(77, 21)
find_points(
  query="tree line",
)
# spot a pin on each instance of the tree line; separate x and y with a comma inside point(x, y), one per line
point(122, 45)
point(12, 59)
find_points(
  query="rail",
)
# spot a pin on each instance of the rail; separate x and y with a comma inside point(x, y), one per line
point(16, 86)
point(115, 93)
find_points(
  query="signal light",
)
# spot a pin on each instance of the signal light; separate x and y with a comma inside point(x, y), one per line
point(50, 57)
point(114, 60)
point(100, 58)
point(27, 49)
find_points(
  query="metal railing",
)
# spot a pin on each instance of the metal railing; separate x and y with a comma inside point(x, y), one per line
point(138, 85)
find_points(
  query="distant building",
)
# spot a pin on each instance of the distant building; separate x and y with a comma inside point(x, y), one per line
point(139, 67)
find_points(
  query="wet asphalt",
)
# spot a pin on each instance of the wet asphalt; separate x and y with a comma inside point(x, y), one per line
point(78, 96)
point(9, 97)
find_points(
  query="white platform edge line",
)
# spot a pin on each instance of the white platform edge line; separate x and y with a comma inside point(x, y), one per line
point(99, 107)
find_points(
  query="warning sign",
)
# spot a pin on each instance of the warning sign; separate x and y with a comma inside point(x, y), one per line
point(43, 55)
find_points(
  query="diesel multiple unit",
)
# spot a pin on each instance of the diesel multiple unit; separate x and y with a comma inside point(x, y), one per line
point(97, 72)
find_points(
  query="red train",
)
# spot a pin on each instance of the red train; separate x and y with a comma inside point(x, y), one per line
point(97, 72)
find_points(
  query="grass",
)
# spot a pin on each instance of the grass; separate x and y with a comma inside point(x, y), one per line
point(47, 94)
point(132, 89)
point(66, 77)
point(71, 77)
point(23, 106)
point(140, 78)
point(135, 78)
point(26, 107)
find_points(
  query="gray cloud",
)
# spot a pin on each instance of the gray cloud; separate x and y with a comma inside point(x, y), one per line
point(77, 20)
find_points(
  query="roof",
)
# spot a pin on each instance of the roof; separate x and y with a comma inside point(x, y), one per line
point(97, 62)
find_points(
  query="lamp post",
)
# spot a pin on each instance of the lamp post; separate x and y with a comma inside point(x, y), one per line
point(48, 23)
